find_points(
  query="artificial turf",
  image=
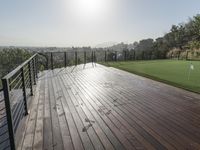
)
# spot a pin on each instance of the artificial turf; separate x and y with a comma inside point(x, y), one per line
point(173, 72)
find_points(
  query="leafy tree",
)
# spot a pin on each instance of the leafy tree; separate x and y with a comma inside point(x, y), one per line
point(11, 58)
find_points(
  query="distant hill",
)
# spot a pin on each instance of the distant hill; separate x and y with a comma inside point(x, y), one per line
point(105, 44)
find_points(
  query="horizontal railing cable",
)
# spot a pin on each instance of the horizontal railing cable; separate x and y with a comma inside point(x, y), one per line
point(17, 89)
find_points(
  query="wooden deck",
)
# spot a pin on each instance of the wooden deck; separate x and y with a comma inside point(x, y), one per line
point(105, 108)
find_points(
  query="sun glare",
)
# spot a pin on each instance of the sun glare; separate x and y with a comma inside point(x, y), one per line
point(88, 9)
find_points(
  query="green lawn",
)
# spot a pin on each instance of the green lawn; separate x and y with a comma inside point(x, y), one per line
point(172, 72)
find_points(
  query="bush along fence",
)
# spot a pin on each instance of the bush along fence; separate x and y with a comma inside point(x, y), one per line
point(184, 54)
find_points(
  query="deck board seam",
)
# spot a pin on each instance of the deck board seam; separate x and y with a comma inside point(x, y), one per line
point(98, 123)
point(78, 82)
point(110, 92)
point(104, 120)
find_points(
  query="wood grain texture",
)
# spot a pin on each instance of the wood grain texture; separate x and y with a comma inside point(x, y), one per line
point(96, 107)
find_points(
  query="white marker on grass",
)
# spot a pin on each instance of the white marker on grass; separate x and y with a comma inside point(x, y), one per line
point(190, 69)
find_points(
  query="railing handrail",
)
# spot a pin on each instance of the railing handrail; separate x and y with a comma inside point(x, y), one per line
point(26, 73)
point(67, 51)
point(9, 75)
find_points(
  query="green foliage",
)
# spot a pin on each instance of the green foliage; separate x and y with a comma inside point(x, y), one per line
point(194, 45)
point(11, 58)
point(183, 36)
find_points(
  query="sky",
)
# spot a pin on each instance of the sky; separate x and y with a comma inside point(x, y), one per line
point(65, 23)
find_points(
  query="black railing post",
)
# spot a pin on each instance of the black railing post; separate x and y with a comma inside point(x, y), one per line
point(84, 57)
point(47, 65)
point(51, 61)
point(76, 58)
point(92, 57)
point(125, 55)
point(105, 55)
point(94, 53)
point(30, 78)
point(115, 55)
point(36, 65)
point(179, 53)
point(24, 91)
point(34, 72)
point(65, 57)
point(8, 113)
point(187, 55)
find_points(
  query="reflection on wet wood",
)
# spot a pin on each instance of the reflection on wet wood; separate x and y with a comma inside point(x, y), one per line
point(96, 107)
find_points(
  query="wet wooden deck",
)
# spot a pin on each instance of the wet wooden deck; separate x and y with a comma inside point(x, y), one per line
point(105, 108)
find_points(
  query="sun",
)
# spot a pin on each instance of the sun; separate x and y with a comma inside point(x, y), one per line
point(88, 8)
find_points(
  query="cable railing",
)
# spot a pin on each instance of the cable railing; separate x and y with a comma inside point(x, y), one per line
point(69, 58)
point(18, 85)
point(14, 99)
point(4, 136)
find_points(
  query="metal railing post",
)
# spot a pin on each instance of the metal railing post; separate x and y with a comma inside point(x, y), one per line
point(34, 72)
point(51, 61)
point(94, 56)
point(84, 57)
point(30, 78)
point(115, 55)
point(65, 57)
point(76, 58)
point(125, 55)
point(179, 53)
point(187, 55)
point(24, 91)
point(47, 65)
point(36, 66)
point(105, 56)
point(6, 90)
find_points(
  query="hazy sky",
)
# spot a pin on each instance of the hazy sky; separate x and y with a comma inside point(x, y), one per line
point(89, 22)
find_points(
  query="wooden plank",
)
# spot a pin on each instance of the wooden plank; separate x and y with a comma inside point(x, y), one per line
point(67, 141)
point(56, 132)
point(110, 92)
point(38, 136)
point(178, 128)
point(118, 116)
point(113, 128)
point(86, 123)
point(93, 84)
point(33, 100)
point(47, 135)
point(105, 128)
point(180, 136)
point(30, 128)
point(76, 140)
point(111, 108)
point(105, 108)
point(89, 124)
point(78, 123)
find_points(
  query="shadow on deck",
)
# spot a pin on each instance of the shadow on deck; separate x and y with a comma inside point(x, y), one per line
point(97, 107)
